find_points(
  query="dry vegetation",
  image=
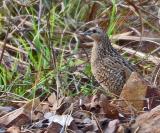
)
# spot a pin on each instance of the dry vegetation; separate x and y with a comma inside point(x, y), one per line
point(43, 59)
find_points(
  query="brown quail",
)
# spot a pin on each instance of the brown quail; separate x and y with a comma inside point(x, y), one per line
point(109, 68)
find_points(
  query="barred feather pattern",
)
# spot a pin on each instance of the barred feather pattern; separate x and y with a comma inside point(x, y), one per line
point(109, 68)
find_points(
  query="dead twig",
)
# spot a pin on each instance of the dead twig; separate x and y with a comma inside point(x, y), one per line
point(156, 76)
point(12, 48)
point(151, 58)
point(4, 46)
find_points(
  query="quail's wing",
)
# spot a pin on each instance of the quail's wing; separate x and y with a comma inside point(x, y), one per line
point(112, 63)
point(117, 64)
point(115, 56)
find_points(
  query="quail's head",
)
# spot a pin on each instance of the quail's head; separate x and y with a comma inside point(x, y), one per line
point(95, 33)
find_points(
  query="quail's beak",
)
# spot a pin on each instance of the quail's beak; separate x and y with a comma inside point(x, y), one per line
point(86, 34)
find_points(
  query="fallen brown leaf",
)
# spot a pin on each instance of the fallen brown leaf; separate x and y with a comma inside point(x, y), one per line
point(148, 122)
point(134, 92)
point(20, 116)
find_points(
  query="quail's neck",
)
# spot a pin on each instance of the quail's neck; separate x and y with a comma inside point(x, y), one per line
point(103, 46)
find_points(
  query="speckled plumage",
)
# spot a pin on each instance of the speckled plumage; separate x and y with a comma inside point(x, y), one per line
point(109, 68)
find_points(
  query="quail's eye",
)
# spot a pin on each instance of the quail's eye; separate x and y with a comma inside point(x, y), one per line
point(94, 31)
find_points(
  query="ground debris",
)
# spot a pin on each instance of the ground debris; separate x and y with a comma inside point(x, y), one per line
point(148, 122)
point(138, 94)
